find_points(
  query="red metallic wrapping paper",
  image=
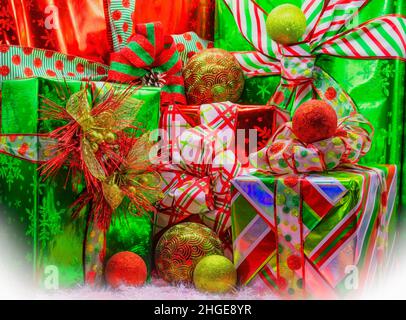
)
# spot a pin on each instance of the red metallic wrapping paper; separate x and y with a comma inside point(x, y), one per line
point(78, 27)
point(73, 27)
point(178, 16)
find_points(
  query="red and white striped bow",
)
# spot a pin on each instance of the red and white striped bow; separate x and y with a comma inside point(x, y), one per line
point(328, 32)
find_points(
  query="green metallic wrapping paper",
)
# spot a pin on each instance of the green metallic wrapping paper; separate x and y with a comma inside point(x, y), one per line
point(335, 219)
point(376, 86)
point(37, 213)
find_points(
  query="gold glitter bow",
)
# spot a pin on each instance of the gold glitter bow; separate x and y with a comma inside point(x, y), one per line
point(99, 128)
point(134, 179)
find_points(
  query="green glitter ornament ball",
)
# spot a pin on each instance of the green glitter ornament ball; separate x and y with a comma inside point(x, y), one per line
point(215, 274)
point(286, 24)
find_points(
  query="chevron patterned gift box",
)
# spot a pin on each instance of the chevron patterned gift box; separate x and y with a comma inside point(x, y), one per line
point(313, 235)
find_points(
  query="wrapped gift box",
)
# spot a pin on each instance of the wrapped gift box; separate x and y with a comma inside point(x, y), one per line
point(70, 26)
point(81, 28)
point(382, 79)
point(37, 211)
point(326, 227)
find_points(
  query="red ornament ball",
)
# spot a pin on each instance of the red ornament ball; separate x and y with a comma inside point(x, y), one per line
point(314, 120)
point(126, 268)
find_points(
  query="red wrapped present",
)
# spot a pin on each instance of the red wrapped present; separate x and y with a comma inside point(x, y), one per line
point(142, 53)
point(178, 16)
point(90, 29)
point(73, 27)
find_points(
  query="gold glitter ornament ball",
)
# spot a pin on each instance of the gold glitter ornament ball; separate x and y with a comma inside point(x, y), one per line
point(215, 274)
point(213, 75)
point(180, 249)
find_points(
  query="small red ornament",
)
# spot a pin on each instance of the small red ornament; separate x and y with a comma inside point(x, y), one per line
point(314, 120)
point(126, 268)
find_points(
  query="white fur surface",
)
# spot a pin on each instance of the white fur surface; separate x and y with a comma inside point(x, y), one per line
point(157, 290)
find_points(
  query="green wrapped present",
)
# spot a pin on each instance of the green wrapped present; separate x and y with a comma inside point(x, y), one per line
point(313, 235)
point(348, 66)
point(38, 211)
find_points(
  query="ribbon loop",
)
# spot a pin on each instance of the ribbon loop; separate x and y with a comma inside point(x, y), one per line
point(286, 154)
point(149, 53)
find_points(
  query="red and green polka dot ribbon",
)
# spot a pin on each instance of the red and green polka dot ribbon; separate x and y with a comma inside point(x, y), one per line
point(189, 43)
point(148, 51)
point(21, 62)
point(32, 148)
point(380, 38)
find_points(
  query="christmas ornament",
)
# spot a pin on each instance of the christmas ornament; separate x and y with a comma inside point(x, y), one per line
point(126, 268)
point(314, 120)
point(213, 75)
point(286, 24)
point(215, 274)
point(181, 248)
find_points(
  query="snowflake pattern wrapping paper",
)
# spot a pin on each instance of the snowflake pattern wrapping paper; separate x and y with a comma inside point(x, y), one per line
point(37, 211)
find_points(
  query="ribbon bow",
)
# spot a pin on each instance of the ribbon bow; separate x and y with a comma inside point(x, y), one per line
point(380, 38)
point(95, 127)
point(286, 154)
point(152, 57)
point(197, 182)
point(115, 164)
point(134, 179)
